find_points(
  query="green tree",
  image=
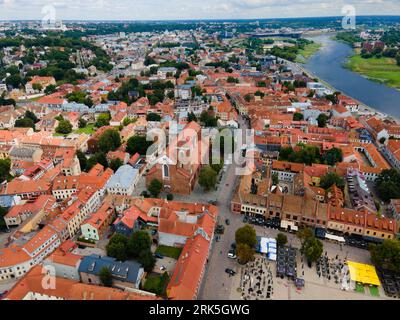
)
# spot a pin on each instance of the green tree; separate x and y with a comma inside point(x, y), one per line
point(248, 97)
point(304, 234)
point(330, 179)
point(153, 117)
point(110, 140)
point(50, 89)
point(333, 156)
point(126, 121)
point(138, 144)
point(275, 179)
point(244, 253)
point(207, 178)
point(117, 251)
point(147, 260)
point(246, 235)
point(117, 247)
point(98, 157)
point(322, 120)
point(103, 120)
point(30, 115)
point(37, 87)
point(155, 187)
point(14, 80)
point(298, 116)
point(232, 80)
point(64, 127)
point(386, 254)
point(3, 212)
point(312, 248)
point(281, 239)
point(5, 166)
point(138, 242)
point(192, 117)
point(115, 164)
point(388, 184)
point(82, 123)
point(82, 159)
point(25, 123)
point(106, 277)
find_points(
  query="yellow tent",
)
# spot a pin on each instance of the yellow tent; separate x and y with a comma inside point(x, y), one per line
point(363, 273)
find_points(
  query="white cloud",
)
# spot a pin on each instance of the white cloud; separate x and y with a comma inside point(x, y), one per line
point(190, 9)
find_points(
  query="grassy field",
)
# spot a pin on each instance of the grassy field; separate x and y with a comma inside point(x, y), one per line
point(171, 252)
point(89, 129)
point(308, 51)
point(384, 70)
point(156, 284)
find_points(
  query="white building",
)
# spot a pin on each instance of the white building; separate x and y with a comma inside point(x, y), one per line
point(123, 181)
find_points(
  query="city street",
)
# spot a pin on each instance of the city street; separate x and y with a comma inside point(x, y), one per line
point(217, 284)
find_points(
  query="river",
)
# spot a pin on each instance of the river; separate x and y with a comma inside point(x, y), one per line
point(327, 64)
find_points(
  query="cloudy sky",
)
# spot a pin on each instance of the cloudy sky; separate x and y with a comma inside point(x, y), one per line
point(188, 9)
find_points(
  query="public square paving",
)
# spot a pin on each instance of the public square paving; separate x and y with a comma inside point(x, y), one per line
point(256, 280)
point(322, 286)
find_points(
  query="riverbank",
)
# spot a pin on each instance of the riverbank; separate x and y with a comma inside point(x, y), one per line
point(382, 70)
point(328, 65)
point(364, 109)
point(308, 51)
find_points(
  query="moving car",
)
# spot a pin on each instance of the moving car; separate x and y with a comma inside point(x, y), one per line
point(228, 222)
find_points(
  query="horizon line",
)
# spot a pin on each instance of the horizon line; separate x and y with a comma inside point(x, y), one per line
point(199, 19)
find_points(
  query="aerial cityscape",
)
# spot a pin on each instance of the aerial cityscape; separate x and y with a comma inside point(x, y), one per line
point(250, 154)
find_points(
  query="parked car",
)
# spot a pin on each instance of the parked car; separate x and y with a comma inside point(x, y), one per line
point(227, 222)
point(230, 272)
point(219, 229)
point(217, 238)
point(232, 254)
point(159, 256)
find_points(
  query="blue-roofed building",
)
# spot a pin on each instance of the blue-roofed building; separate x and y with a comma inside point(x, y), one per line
point(75, 107)
point(183, 91)
point(100, 108)
point(124, 274)
point(123, 181)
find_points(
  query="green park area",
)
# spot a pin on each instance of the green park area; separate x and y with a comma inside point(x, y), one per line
point(89, 129)
point(157, 283)
point(308, 51)
point(171, 252)
point(383, 70)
